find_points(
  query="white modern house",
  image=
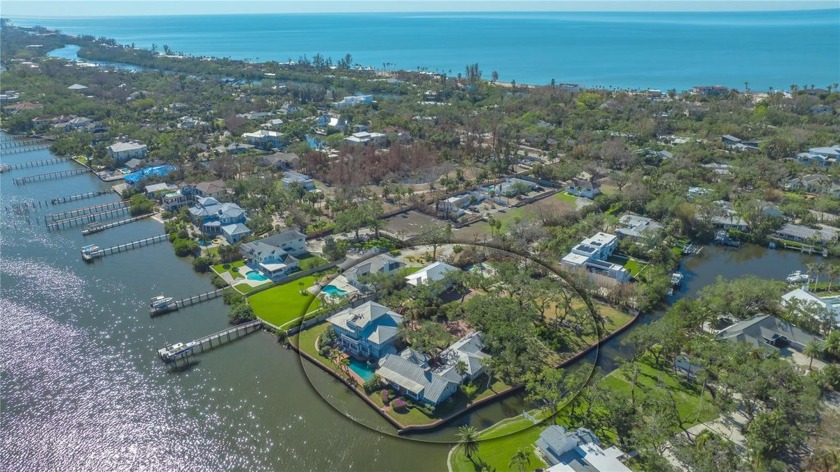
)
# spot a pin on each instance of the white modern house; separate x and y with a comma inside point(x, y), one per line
point(592, 253)
point(123, 151)
point(379, 264)
point(636, 226)
point(577, 451)
point(353, 100)
point(431, 273)
point(364, 138)
point(263, 138)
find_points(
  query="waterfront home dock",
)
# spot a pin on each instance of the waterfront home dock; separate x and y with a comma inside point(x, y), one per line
point(184, 302)
point(85, 211)
point(80, 196)
point(50, 176)
point(90, 255)
point(30, 164)
point(78, 220)
point(96, 228)
point(22, 150)
point(175, 352)
point(21, 143)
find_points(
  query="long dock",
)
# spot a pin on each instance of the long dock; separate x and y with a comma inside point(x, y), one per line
point(50, 176)
point(62, 215)
point(81, 196)
point(83, 219)
point(96, 228)
point(30, 164)
point(125, 247)
point(18, 143)
point(175, 352)
point(185, 302)
point(21, 150)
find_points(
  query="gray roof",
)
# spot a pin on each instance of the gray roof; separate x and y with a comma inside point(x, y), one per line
point(760, 330)
point(284, 237)
point(381, 263)
point(215, 186)
point(236, 229)
point(270, 244)
point(370, 321)
point(634, 225)
point(554, 442)
point(414, 378)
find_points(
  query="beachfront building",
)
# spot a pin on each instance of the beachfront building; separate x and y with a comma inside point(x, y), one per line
point(368, 331)
point(635, 226)
point(274, 256)
point(211, 217)
point(411, 374)
point(380, 264)
point(592, 254)
point(264, 139)
point(576, 451)
point(433, 272)
point(122, 152)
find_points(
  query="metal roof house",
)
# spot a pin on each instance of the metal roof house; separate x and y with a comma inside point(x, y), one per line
point(577, 451)
point(767, 331)
point(368, 331)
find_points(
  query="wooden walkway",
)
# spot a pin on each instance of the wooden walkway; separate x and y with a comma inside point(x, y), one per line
point(173, 353)
point(83, 219)
point(30, 164)
point(97, 228)
point(62, 215)
point(19, 143)
point(81, 196)
point(129, 246)
point(50, 176)
point(21, 150)
point(195, 299)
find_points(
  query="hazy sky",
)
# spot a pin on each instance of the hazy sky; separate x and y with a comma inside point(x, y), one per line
point(70, 8)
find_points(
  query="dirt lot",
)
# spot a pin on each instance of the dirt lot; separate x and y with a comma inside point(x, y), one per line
point(547, 206)
point(412, 223)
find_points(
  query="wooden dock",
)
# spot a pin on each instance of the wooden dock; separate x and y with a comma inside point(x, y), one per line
point(128, 246)
point(62, 215)
point(81, 196)
point(50, 176)
point(175, 352)
point(30, 164)
point(21, 150)
point(185, 302)
point(83, 219)
point(21, 143)
point(97, 228)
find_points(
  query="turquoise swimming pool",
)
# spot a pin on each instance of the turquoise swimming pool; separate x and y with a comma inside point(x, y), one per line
point(333, 291)
point(361, 369)
point(254, 275)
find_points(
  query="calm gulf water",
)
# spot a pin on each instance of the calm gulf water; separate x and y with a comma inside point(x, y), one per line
point(623, 50)
point(82, 388)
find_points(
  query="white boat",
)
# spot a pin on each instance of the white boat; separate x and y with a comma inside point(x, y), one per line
point(90, 252)
point(797, 277)
point(161, 304)
point(176, 350)
point(676, 279)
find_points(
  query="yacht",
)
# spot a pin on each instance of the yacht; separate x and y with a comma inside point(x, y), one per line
point(160, 304)
point(90, 252)
point(797, 277)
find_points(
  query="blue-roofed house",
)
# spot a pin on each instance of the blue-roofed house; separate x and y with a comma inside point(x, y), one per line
point(210, 216)
point(368, 331)
point(577, 451)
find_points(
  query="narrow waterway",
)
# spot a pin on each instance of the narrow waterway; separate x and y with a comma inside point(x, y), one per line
point(82, 387)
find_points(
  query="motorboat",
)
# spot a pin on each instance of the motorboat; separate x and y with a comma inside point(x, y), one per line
point(797, 277)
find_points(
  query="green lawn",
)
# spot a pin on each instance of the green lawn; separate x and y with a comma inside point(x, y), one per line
point(310, 261)
point(566, 197)
point(232, 266)
point(509, 435)
point(81, 160)
point(246, 288)
point(284, 303)
point(633, 266)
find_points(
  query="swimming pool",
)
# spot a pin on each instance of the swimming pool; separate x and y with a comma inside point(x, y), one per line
point(333, 291)
point(254, 275)
point(361, 369)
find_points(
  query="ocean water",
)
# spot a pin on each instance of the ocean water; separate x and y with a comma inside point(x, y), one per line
point(622, 50)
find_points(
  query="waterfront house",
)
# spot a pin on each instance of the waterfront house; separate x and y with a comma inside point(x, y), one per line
point(174, 200)
point(802, 234)
point(727, 217)
point(592, 253)
point(636, 226)
point(274, 256)
point(582, 187)
point(411, 374)
point(133, 164)
point(433, 272)
point(210, 216)
point(380, 264)
point(291, 177)
point(805, 302)
point(155, 191)
point(368, 331)
point(768, 332)
point(576, 451)
point(264, 139)
point(123, 151)
point(234, 233)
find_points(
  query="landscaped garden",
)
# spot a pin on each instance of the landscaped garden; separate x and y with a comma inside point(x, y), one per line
point(229, 267)
point(285, 303)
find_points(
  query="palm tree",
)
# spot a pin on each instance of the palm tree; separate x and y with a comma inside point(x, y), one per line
point(813, 349)
point(811, 266)
point(468, 441)
point(833, 270)
point(819, 267)
point(520, 460)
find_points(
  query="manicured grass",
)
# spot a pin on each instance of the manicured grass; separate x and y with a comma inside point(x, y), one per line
point(633, 266)
point(285, 303)
point(232, 266)
point(81, 160)
point(495, 453)
point(566, 197)
point(246, 288)
point(310, 261)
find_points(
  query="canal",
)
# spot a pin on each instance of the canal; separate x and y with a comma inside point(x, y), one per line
point(82, 387)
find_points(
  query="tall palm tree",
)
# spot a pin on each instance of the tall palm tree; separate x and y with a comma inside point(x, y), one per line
point(813, 349)
point(520, 460)
point(819, 267)
point(810, 266)
point(468, 441)
point(833, 270)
